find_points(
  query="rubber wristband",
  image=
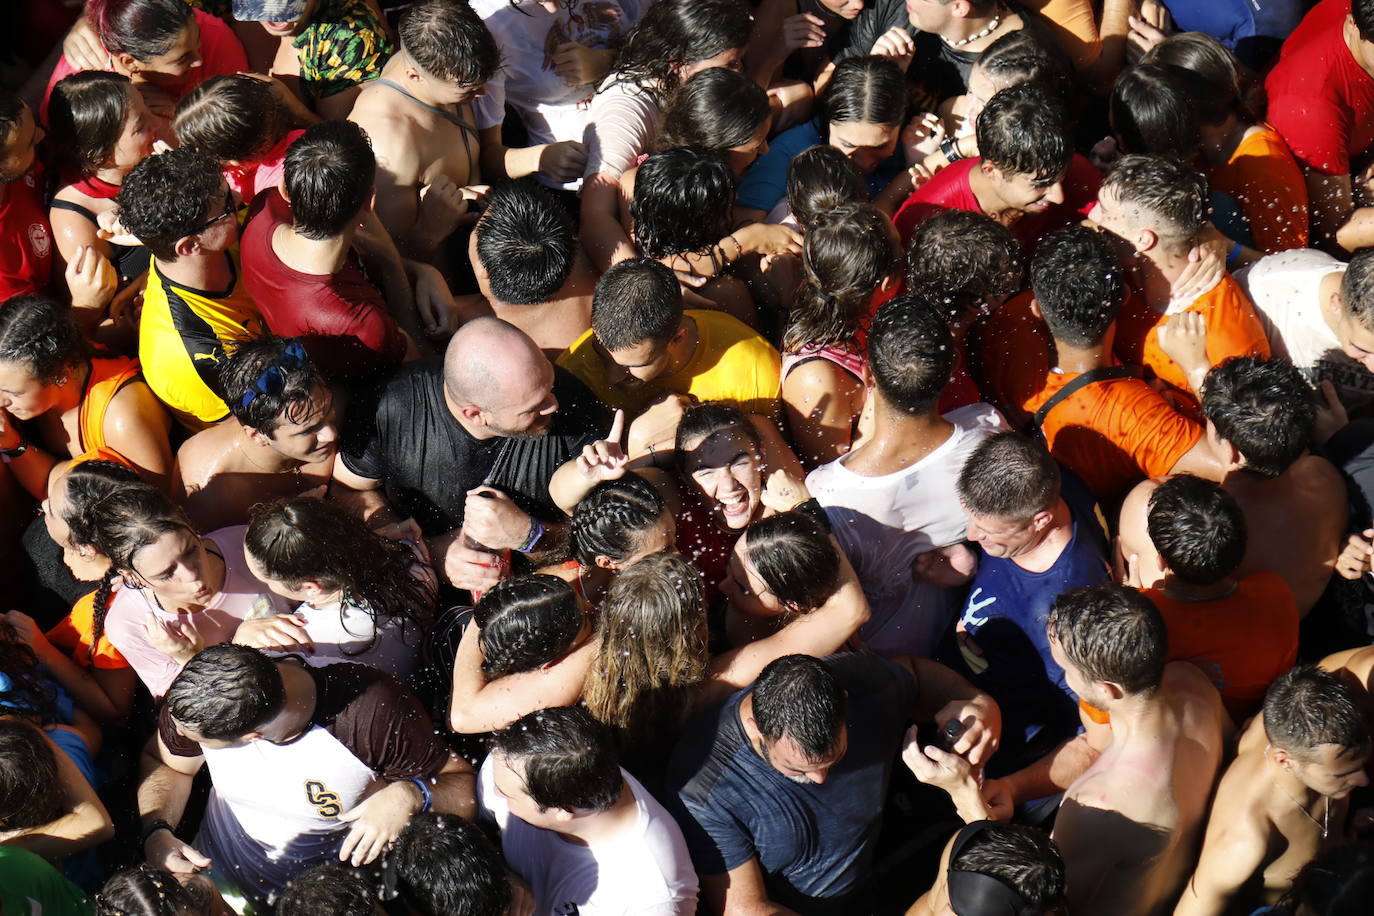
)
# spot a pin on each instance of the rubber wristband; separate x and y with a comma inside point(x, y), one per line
point(1235, 253)
point(535, 533)
point(424, 791)
point(950, 147)
point(153, 828)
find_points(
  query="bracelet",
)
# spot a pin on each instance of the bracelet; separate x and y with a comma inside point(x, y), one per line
point(739, 249)
point(535, 533)
point(153, 828)
point(950, 147)
point(425, 793)
point(9, 454)
point(1235, 253)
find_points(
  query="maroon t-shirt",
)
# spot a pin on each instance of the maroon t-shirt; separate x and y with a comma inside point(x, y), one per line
point(1320, 99)
point(341, 318)
point(950, 190)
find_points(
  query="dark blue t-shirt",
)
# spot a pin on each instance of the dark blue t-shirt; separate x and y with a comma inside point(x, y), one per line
point(1004, 614)
point(814, 843)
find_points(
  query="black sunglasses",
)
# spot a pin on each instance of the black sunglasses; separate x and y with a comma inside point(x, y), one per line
point(229, 210)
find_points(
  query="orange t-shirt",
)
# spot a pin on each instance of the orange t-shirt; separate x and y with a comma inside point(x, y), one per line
point(1233, 329)
point(72, 635)
point(1241, 642)
point(1263, 177)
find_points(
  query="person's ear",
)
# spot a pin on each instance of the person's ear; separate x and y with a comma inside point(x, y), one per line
point(251, 737)
point(1042, 520)
point(604, 562)
point(990, 171)
point(188, 246)
point(1035, 308)
point(258, 437)
point(473, 414)
point(890, 282)
point(312, 589)
point(127, 63)
point(1145, 240)
point(563, 815)
point(1115, 691)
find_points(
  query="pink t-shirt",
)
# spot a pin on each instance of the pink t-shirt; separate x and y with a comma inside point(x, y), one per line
point(250, 179)
point(241, 598)
point(220, 53)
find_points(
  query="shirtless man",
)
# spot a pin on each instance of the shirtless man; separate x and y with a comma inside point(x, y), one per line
point(1129, 826)
point(280, 442)
point(1259, 421)
point(418, 114)
point(1285, 798)
point(531, 268)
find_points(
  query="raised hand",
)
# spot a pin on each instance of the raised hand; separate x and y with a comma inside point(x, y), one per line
point(605, 459)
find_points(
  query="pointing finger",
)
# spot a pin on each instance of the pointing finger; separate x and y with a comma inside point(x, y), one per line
point(617, 426)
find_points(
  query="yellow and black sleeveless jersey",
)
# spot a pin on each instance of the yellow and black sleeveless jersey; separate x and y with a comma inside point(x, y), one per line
point(181, 342)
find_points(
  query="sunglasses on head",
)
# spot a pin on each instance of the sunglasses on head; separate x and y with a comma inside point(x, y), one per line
point(273, 378)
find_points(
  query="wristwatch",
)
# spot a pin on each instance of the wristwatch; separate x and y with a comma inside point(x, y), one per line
point(950, 147)
point(9, 454)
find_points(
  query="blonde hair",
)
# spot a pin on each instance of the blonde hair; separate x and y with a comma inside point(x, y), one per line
point(653, 650)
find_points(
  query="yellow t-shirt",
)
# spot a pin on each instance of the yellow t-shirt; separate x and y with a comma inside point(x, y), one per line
point(732, 362)
point(181, 339)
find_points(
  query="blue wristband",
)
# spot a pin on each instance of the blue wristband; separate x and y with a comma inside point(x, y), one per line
point(536, 532)
point(1235, 253)
point(423, 786)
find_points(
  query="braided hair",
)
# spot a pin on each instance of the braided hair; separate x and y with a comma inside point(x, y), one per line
point(611, 520)
point(526, 623)
point(142, 890)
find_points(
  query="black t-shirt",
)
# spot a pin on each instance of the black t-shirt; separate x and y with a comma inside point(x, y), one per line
point(404, 434)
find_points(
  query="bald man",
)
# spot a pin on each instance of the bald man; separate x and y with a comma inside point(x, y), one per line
point(467, 447)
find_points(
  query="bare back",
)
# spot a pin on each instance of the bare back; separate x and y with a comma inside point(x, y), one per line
point(1129, 827)
point(1309, 498)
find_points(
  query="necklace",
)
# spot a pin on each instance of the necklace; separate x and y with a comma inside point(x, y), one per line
point(992, 27)
point(1324, 823)
point(295, 469)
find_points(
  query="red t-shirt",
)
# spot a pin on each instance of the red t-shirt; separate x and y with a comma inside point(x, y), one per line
point(25, 237)
point(342, 318)
point(250, 179)
point(950, 190)
point(1320, 99)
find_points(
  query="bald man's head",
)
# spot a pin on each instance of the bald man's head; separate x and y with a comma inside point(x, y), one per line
point(498, 381)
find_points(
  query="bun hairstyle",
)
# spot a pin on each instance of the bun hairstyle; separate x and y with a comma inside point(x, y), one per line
point(846, 254)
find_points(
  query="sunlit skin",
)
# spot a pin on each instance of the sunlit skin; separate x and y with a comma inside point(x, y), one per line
point(741, 157)
point(1000, 537)
point(136, 140)
point(745, 589)
point(170, 66)
point(634, 366)
point(727, 468)
point(730, 60)
point(529, 412)
point(179, 570)
point(313, 437)
point(866, 145)
point(787, 758)
point(22, 395)
point(1331, 770)
point(508, 779)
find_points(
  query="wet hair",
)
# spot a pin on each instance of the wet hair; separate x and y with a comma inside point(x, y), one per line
point(121, 524)
point(1173, 193)
point(143, 29)
point(449, 41)
point(1362, 11)
point(233, 116)
point(1151, 113)
point(331, 889)
point(305, 539)
point(26, 689)
point(1307, 707)
point(1339, 882)
point(675, 33)
point(717, 109)
point(960, 259)
point(1022, 57)
point(1357, 288)
point(612, 519)
point(1198, 529)
point(167, 196)
point(845, 255)
point(798, 697)
point(1079, 285)
point(702, 421)
point(12, 110)
point(41, 335)
point(1112, 634)
point(241, 370)
point(653, 652)
point(638, 299)
point(526, 623)
point(1265, 408)
point(682, 202)
point(144, 890)
point(1022, 131)
point(525, 243)
point(866, 90)
point(86, 115)
point(821, 179)
point(443, 865)
point(1211, 75)
point(1009, 476)
point(910, 354)
point(87, 483)
point(226, 691)
point(795, 558)
point(31, 791)
point(568, 757)
point(330, 173)
point(1023, 858)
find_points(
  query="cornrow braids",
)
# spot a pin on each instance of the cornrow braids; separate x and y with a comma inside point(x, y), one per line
point(526, 623)
point(611, 520)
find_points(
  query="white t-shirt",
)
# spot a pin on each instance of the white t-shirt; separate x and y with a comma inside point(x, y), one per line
point(621, 127)
point(342, 633)
point(1286, 290)
point(528, 34)
point(884, 523)
point(646, 871)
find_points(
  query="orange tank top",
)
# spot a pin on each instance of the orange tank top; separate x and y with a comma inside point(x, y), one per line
point(107, 377)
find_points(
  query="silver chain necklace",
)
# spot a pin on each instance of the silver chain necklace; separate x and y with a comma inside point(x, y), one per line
point(1324, 823)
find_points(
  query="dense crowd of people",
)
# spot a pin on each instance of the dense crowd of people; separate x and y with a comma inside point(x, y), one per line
point(590, 457)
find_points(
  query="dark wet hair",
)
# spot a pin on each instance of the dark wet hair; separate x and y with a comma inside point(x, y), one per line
point(31, 792)
point(167, 196)
point(1264, 407)
point(331, 889)
point(610, 521)
point(959, 259)
point(525, 243)
point(226, 691)
point(86, 115)
point(233, 116)
point(1173, 192)
point(717, 109)
point(910, 354)
point(526, 623)
point(674, 33)
point(1308, 707)
point(143, 29)
point(799, 697)
point(638, 299)
point(1023, 57)
point(449, 41)
point(1216, 90)
point(867, 90)
point(241, 371)
point(1009, 476)
point(1112, 634)
point(682, 202)
point(1079, 285)
point(795, 558)
point(143, 890)
point(569, 759)
point(41, 335)
point(845, 255)
point(443, 865)
point(330, 173)
point(821, 179)
point(702, 421)
point(1022, 131)
point(1152, 112)
point(1357, 288)
point(1198, 529)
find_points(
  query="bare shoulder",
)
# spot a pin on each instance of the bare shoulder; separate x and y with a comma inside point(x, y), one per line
point(200, 457)
point(1354, 666)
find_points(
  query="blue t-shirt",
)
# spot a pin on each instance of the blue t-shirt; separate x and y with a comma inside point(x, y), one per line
point(1232, 22)
point(1004, 614)
point(764, 183)
point(814, 843)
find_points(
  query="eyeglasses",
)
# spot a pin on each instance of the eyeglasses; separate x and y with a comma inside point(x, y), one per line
point(273, 378)
point(229, 210)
